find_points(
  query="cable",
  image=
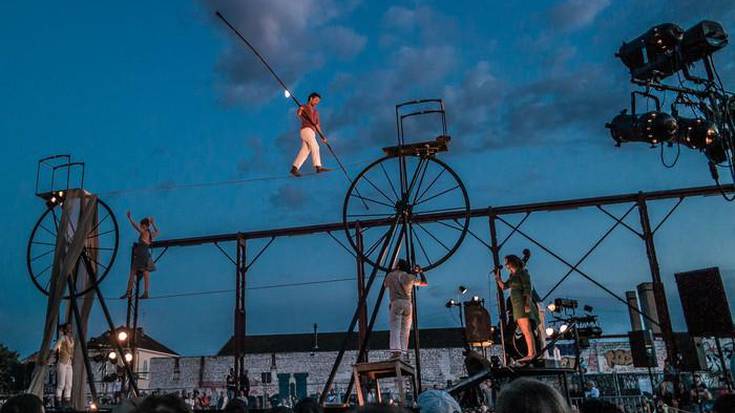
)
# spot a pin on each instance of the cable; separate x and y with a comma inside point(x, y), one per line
point(161, 188)
point(231, 290)
point(676, 159)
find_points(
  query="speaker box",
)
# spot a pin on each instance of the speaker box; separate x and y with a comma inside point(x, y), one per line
point(690, 351)
point(477, 323)
point(642, 349)
point(703, 299)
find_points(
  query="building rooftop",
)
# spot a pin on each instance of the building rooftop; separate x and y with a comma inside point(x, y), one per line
point(332, 341)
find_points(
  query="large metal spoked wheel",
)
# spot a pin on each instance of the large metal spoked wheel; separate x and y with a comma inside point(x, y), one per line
point(421, 194)
point(99, 251)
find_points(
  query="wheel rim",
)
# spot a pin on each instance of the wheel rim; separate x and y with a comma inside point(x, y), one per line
point(420, 198)
point(99, 251)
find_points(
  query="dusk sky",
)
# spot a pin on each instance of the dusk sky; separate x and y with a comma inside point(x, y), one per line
point(156, 95)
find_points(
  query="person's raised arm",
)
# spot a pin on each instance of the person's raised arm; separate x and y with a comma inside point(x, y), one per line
point(132, 222)
point(156, 231)
point(421, 280)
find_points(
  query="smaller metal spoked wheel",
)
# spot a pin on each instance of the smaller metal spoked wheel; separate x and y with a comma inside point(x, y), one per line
point(421, 195)
point(98, 253)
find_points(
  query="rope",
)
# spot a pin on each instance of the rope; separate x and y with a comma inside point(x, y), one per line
point(169, 188)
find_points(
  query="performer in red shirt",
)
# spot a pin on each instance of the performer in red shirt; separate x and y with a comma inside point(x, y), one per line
point(309, 126)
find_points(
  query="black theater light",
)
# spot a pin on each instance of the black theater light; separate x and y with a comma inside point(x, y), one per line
point(654, 54)
point(701, 40)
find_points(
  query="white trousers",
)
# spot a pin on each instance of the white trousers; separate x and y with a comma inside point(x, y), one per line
point(308, 145)
point(401, 317)
point(63, 380)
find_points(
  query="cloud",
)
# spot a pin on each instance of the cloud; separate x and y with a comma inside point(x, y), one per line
point(345, 43)
point(285, 33)
point(289, 196)
point(575, 14)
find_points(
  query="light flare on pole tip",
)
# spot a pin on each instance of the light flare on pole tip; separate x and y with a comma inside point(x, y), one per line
point(122, 335)
point(563, 328)
point(549, 331)
point(286, 93)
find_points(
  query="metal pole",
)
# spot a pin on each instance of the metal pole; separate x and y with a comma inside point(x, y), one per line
point(362, 327)
point(108, 317)
point(353, 322)
point(82, 337)
point(243, 308)
point(502, 315)
point(578, 360)
point(237, 327)
point(664, 319)
point(416, 344)
point(378, 301)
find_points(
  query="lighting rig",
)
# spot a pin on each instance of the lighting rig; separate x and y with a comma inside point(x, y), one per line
point(567, 325)
point(702, 114)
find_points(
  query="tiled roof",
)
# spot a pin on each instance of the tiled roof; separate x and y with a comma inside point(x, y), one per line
point(293, 343)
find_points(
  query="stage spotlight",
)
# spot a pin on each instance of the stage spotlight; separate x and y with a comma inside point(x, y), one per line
point(552, 307)
point(462, 289)
point(701, 40)
point(564, 304)
point(588, 308)
point(696, 133)
point(128, 357)
point(122, 335)
point(475, 298)
point(716, 152)
point(550, 331)
point(112, 356)
point(451, 303)
point(563, 328)
point(657, 127)
point(654, 54)
point(652, 127)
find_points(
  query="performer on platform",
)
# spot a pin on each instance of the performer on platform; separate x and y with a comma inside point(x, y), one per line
point(64, 353)
point(521, 298)
point(310, 125)
point(142, 260)
point(400, 283)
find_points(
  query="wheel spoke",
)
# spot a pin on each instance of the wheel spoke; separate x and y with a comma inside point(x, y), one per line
point(375, 245)
point(43, 271)
point(430, 185)
point(42, 255)
point(434, 237)
point(56, 220)
point(421, 181)
point(99, 222)
point(43, 243)
point(372, 200)
point(53, 234)
point(94, 260)
point(460, 229)
point(100, 234)
point(390, 182)
point(423, 250)
point(439, 194)
point(378, 189)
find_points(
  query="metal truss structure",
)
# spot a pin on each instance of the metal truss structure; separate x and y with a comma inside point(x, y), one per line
point(495, 215)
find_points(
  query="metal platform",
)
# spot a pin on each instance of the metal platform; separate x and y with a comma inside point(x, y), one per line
point(440, 144)
point(395, 368)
